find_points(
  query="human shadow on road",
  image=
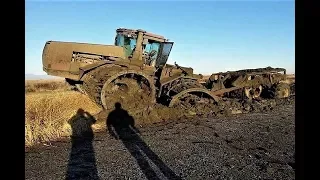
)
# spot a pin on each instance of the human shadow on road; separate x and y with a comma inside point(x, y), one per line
point(82, 162)
point(121, 126)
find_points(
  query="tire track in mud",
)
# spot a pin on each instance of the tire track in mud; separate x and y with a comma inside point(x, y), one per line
point(158, 113)
point(145, 112)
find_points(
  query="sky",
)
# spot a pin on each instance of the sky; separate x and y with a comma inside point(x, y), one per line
point(209, 36)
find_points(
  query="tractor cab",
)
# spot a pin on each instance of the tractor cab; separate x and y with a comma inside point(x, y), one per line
point(153, 49)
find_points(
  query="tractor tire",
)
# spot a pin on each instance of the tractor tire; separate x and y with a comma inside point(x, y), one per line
point(282, 90)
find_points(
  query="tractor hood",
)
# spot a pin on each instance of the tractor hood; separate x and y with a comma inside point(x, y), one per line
point(58, 55)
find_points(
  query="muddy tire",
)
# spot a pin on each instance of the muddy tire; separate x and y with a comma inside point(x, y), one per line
point(94, 80)
point(109, 84)
point(292, 88)
point(131, 90)
point(193, 97)
point(252, 93)
point(190, 93)
point(282, 90)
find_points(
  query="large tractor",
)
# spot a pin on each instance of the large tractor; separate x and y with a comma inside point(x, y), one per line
point(133, 71)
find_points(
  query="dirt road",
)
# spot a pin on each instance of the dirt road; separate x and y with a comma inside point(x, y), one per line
point(244, 146)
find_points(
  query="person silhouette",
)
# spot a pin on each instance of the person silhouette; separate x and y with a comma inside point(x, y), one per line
point(81, 124)
point(121, 126)
point(82, 162)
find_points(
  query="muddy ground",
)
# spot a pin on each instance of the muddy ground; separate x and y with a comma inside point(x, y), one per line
point(235, 140)
point(157, 113)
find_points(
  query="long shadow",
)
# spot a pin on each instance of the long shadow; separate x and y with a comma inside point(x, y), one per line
point(82, 162)
point(121, 126)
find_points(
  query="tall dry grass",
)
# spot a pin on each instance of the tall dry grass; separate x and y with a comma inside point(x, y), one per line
point(47, 113)
point(46, 85)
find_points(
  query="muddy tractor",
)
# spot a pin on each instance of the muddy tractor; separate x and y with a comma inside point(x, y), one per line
point(250, 83)
point(133, 71)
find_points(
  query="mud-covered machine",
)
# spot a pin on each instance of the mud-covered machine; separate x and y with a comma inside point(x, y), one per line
point(134, 72)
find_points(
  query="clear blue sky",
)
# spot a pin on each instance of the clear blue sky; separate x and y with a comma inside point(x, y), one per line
point(210, 36)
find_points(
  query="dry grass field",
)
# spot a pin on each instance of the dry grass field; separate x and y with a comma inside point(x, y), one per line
point(48, 106)
point(46, 85)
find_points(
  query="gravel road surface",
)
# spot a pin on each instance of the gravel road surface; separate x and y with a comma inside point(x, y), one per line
point(243, 146)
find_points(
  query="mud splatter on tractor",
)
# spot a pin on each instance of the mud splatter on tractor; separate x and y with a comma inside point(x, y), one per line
point(134, 72)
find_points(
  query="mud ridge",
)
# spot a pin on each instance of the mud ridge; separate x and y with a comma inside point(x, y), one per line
point(158, 113)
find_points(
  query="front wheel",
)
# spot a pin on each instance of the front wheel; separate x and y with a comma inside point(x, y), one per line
point(131, 90)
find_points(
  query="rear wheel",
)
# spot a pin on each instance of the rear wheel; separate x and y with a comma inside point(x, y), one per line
point(133, 91)
point(193, 97)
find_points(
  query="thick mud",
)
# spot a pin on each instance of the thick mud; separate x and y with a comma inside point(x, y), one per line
point(157, 113)
point(136, 97)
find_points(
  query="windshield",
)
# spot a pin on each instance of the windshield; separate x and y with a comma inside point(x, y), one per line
point(119, 40)
point(164, 54)
point(153, 46)
point(127, 43)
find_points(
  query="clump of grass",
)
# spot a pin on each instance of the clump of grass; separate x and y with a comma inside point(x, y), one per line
point(46, 85)
point(47, 114)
